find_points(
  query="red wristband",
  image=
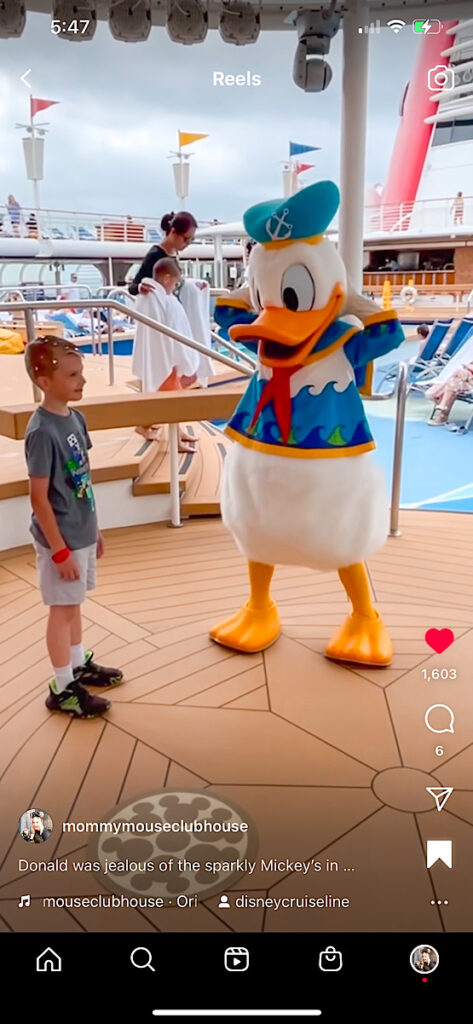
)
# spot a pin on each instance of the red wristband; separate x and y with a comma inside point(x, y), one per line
point(61, 555)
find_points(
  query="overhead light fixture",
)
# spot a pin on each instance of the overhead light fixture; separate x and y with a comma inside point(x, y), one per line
point(130, 22)
point(12, 19)
point(187, 21)
point(239, 22)
point(80, 19)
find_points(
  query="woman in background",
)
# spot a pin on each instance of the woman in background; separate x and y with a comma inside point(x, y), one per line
point(179, 230)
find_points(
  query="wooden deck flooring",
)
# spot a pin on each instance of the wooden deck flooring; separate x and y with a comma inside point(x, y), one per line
point(325, 761)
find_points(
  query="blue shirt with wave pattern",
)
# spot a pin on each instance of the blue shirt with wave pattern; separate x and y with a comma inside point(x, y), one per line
point(327, 421)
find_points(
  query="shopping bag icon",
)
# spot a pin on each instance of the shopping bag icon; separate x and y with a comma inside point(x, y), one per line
point(330, 959)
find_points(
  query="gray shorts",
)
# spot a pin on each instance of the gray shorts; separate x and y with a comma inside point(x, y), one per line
point(55, 590)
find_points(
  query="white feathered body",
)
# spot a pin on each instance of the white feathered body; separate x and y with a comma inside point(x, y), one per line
point(326, 513)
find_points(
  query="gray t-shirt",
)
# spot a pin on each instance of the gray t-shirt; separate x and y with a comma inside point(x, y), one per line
point(56, 446)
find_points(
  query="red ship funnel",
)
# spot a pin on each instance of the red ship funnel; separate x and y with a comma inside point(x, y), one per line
point(413, 136)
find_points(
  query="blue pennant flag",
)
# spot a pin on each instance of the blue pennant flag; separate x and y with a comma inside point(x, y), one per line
point(296, 147)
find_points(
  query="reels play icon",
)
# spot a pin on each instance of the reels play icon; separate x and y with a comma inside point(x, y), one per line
point(237, 958)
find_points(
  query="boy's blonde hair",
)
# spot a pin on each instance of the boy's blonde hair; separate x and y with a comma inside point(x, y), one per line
point(42, 355)
point(166, 265)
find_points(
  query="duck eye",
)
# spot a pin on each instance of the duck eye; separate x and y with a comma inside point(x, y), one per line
point(297, 288)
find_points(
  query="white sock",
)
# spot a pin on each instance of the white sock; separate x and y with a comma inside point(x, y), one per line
point(77, 655)
point(63, 677)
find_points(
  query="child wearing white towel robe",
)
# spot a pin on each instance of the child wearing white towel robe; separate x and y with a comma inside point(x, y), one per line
point(161, 363)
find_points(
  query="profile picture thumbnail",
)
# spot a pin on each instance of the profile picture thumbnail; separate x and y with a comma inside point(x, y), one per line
point(35, 826)
point(424, 959)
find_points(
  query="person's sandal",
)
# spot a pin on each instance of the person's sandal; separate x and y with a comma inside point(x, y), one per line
point(438, 418)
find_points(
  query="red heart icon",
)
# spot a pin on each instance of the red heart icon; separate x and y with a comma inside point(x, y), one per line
point(439, 639)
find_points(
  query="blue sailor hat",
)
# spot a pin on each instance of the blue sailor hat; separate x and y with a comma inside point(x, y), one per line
point(303, 215)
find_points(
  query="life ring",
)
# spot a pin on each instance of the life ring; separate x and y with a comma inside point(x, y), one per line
point(409, 294)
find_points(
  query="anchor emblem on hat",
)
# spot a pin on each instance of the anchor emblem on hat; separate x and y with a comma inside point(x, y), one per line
point(277, 227)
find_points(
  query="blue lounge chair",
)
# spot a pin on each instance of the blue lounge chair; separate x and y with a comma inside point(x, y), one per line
point(461, 333)
point(424, 358)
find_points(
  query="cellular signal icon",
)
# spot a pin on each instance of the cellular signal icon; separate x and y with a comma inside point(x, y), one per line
point(396, 24)
point(370, 29)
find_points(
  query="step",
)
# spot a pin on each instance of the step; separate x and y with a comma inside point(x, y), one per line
point(200, 472)
point(202, 494)
point(117, 454)
point(156, 478)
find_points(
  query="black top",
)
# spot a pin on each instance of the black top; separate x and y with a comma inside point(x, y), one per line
point(146, 269)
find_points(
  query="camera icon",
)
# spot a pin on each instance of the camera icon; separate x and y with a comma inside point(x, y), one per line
point(440, 77)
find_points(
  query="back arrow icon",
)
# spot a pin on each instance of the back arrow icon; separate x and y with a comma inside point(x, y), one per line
point(24, 77)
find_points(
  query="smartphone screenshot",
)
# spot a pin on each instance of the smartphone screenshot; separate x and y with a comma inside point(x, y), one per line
point(236, 439)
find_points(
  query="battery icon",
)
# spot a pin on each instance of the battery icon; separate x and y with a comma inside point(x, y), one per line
point(427, 25)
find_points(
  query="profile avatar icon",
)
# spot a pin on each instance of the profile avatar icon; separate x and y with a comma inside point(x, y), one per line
point(224, 903)
point(35, 826)
point(424, 959)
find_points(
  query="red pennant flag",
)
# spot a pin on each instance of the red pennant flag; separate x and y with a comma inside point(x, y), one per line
point(303, 167)
point(37, 105)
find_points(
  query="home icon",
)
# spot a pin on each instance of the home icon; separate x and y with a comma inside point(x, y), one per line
point(48, 960)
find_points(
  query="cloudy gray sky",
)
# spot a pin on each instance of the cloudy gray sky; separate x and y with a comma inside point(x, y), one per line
point(121, 105)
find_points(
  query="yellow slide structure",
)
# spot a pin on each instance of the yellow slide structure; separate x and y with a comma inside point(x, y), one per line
point(11, 342)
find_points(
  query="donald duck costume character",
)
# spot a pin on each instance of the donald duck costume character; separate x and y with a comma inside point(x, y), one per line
point(300, 486)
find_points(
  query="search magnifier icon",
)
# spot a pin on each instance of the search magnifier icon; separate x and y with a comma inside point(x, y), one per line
point(136, 959)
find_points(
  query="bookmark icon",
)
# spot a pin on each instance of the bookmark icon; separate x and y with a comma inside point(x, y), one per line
point(439, 849)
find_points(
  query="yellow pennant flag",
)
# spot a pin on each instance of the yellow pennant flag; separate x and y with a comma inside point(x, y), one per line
point(185, 138)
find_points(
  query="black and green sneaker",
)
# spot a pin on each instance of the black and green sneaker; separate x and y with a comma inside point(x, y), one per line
point(76, 701)
point(90, 674)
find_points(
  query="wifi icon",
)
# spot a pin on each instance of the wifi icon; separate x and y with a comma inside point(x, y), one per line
point(396, 24)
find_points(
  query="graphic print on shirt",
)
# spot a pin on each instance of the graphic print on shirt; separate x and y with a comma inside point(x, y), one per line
point(77, 472)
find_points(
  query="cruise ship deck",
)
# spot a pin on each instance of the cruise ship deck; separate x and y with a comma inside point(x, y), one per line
point(330, 765)
point(326, 761)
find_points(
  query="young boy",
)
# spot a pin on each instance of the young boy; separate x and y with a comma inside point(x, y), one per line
point(161, 363)
point(64, 524)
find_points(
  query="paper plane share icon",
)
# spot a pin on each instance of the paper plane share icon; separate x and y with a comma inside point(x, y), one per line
point(440, 794)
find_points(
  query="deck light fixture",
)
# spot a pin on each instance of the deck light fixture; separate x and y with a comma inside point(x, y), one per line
point(130, 22)
point(239, 22)
point(12, 19)
point(187, 21)
point(315, 30)
point(82, 17)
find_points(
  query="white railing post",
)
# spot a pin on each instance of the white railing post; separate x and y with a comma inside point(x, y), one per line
point(174, 461)
point(401, 396)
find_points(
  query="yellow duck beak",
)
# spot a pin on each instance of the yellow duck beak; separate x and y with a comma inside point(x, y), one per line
point(287, 337)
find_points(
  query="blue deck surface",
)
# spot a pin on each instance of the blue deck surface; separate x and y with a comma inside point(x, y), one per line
point(121, 346)
point(437, 465)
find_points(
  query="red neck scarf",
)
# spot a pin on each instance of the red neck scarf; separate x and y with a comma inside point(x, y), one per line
point(277, 390)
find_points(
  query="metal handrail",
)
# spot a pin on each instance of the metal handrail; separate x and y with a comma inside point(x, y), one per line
point(28, 307)
point(400, 390)
point(12, 291)
point(233, 348)
point(115, 289)
point(401, 396)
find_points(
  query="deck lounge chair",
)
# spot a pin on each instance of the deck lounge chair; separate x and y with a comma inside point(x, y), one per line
point(421, 362)
point(453, 352)
point(459, 335)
